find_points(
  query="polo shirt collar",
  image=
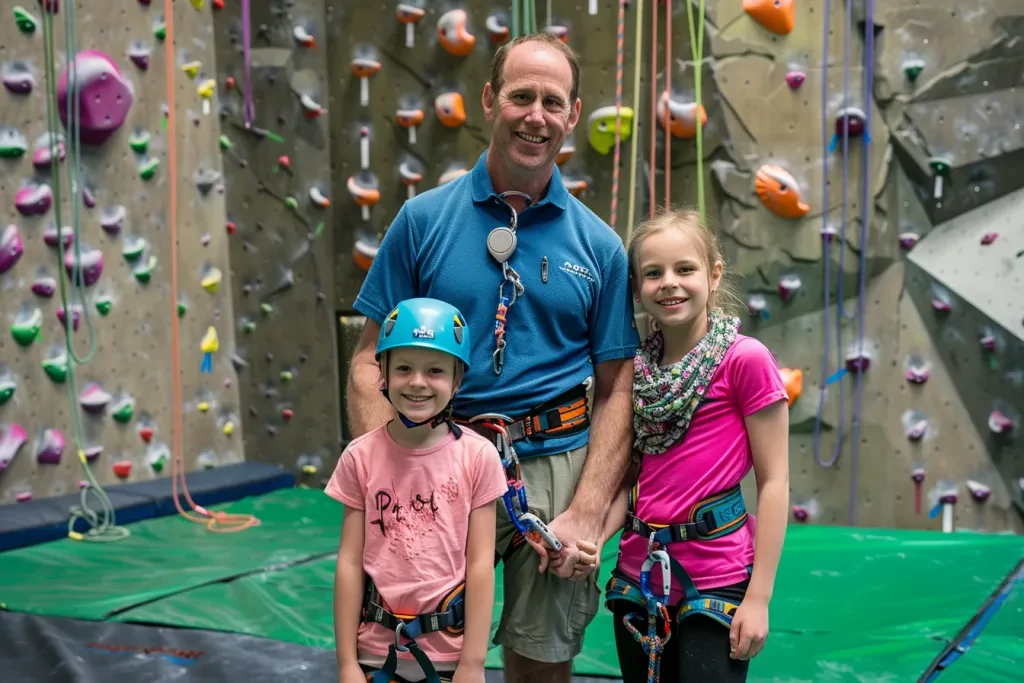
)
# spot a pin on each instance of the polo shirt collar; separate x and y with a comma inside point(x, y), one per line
point(483, 188)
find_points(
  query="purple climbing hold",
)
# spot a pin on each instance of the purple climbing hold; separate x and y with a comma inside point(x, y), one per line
point(851, 120)
point(795, 79)
point(43, 156)
point(92, 452)
point(104, 96)
point(33, 200)
point(44, 286)
point(76, 315)
point(90, 264)
point(51, 6)
point(19, 82)
point(51, 447)
point(856, 362)
point(66, 236)
point(112, 219)
point(87, 197)
point(11, 441)
point(11, 247)
point(94, 399)
point(139, 54)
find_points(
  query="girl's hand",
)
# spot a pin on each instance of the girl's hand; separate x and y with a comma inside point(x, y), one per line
point(352, 673)
point(468, 673)
point(749, 629)
point(588, 562)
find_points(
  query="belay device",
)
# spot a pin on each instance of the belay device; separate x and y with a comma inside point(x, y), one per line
point(501, 243)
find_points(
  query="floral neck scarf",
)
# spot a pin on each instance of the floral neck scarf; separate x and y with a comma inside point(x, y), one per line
point(665, 399)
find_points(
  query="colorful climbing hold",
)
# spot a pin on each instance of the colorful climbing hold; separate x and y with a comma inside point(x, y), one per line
point(909, 239)
point(157, 459)
point(979, 492)
point(147, 169)
point(918, 371)
point(26, 327)
point(410, 118)
point(851, 122)
point(89, 264)
point(566, 152)
point(123, 410)
point(312, 108)
point(139, 141)
point(940, 305)
point(122, 469)
point(858, 361)
point(104, 97)
point(33, 200)
point(212, 279)
point(52, 237)
point(7, 387)
point(42, 159)
point(303, 36)
point(450, 109)
point(986, 239)
point(793, 381)
point(779, 192)
point(91, 453)
point(789, 285)
point(133, 247)
point(453, 33)
point(778, 16)
point(560, 32)
point(318, 198)
point(11, 247)
point(76, 314)
point(941, 167)
point(139, 55)
point(757, 305)
point(682, 116)
point(104, 304)
point(11, 440)
point(146, 432)
point(999, 422)
point(18, 82)
point(51, 447)
point(800, 513)
point(912, 68)
point(794, 79)
point(112, 219)
point(13, 144)
point(144, 271)
point(363, 253)
point(496, 26)
point(25, 21)
point(410, 15)
point(287, 414)
point(94, 399)
point(191, 69)
point(917, 476)
point(209, 346)
point(601, 127)
point(363, 189)
point(56, 367)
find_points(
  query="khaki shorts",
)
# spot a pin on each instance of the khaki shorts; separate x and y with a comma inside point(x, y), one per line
point(543, 617)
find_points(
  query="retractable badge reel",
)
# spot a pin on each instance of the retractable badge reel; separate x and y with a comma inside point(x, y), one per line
point(501, 243)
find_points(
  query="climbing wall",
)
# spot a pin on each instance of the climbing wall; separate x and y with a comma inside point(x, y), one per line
point(281, 229)
point(857, 166)
point(90, 249)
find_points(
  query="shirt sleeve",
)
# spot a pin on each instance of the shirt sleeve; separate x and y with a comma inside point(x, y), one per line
point(488, 475)
point(348, 484)
point(392, 276)
point(613, 332)
point(755, 377)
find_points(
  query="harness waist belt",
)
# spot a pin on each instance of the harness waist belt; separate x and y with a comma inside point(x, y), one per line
point(564, 415)
point(713, 517)
point(450, 615)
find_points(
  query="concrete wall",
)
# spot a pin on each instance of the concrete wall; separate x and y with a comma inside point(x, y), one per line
point(961, 106)
point(124, 330)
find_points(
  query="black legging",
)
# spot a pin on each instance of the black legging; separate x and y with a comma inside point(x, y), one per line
point(698, 650)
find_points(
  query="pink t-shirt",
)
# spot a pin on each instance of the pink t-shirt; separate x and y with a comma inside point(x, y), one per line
point(713, 456)
point(417, 505)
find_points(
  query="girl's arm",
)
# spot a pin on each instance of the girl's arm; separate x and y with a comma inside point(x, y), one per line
point(348, 590)
point(479, 589)
point(615, 520)
point(768, 431)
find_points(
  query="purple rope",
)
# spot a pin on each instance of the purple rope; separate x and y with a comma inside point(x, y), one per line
point(248, 108)
point(869, 73)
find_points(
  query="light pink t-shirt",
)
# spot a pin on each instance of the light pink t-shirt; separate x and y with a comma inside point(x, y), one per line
point(417, 505)
point(713, 456)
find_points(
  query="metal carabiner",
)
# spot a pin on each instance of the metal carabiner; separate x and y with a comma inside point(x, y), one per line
point(656, 557)
point(398, 637)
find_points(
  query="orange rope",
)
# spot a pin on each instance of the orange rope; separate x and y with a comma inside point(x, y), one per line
point(654, 103)
point(214, 521)
point(668, 95)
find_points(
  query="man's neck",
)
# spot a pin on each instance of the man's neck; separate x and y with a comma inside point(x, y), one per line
point(533, 184)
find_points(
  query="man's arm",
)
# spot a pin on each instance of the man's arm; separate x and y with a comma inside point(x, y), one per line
point(366, 407)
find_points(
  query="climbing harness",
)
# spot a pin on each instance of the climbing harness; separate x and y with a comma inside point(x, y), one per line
point(501, 244)
point(716, 516)
point(526, 523)
point(450, 617)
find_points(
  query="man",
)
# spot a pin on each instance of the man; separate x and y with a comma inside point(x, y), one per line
point(570, 329)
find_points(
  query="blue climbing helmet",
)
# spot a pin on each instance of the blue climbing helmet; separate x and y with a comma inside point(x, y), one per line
point(428, 324)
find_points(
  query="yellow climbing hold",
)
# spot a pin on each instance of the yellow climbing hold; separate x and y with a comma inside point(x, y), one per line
point(212, 280)
point(207, 88)
point(203, 406)
point(210, 343)
point(229, 428)
point(198, 4)
point(309, 469)
point(192, 68)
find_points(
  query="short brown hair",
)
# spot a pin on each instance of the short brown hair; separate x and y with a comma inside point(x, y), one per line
point(698, 226)
point(498, 63)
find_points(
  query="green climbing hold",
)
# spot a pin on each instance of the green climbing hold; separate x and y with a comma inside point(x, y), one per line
point(287, 376)
point(7, 387)
point(104, 304)
point(133, 248)
point(25, 21)
point(267, 309)
point(912, 68)
point(181, 309)
point(225, 143)
point(13, 148)
point(124, 410)
point(160, 30)
point(291, 203)
point(248, 326)
point(139, 142)
point(158, 461)
point(148, 169)
point(56, 368)
point(144, 272)
point(26, 331)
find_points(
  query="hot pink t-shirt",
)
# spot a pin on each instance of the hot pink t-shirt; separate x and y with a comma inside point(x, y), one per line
point(713, 456)
point(417, 505)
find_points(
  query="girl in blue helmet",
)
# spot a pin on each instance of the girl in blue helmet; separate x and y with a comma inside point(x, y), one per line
point(414, 587)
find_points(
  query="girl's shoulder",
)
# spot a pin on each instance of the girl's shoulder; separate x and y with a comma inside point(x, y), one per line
point(749, 351)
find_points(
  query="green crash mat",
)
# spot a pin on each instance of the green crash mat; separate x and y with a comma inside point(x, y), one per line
point(849, 604)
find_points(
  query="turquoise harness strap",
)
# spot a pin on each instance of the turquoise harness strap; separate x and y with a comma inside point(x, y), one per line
point(713, 517)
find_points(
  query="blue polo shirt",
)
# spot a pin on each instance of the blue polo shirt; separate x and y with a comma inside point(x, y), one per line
point(555, 332)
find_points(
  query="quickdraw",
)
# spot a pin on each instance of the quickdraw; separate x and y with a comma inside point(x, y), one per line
point(653, 643)
point(527, 523)
point(501, 243)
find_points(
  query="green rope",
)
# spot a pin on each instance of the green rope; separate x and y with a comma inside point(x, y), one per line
point(697, 49)
point(524, 17)
point(103, 527)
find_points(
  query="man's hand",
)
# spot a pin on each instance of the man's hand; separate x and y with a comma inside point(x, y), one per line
point(570, 528)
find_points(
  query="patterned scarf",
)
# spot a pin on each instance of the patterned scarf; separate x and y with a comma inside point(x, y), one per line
point(665, 399)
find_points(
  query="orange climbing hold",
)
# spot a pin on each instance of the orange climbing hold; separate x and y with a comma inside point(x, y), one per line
point(682, 116)
point(779, 192)
point(793, 380)
point(450, 109)
point(454, 34)
point(778, 16)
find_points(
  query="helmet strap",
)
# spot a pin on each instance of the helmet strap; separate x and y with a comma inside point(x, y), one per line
point(442, 417)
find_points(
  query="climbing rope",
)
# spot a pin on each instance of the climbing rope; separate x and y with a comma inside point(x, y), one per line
point(102, 524)
point(697, 49)
point(214, 520)
point(638, 39)
point(651, 161)
point(524, 17)
point(668, 109)
point(619, 49)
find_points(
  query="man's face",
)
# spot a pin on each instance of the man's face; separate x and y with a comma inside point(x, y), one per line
point(532, 115)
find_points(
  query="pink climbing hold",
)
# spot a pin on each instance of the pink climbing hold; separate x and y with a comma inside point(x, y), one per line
point(51, 447)
point(23, 497)
point(51, 6)
point(112, 219)
point(795, 79)
point(65, 237)
point(11, 441)
point(800, 513)
point(33, 200)
point(94, 399)
point(11, 247)
point(90, 265)
point(92, 453)
point(19, 82)
point(104, 96)
point(44, 286)
point(999, 423)
point(979, 492)
point(76, 315)
point(43, 157)
point(988, 238)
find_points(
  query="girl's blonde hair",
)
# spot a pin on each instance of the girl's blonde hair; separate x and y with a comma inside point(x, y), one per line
point(698, 227)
